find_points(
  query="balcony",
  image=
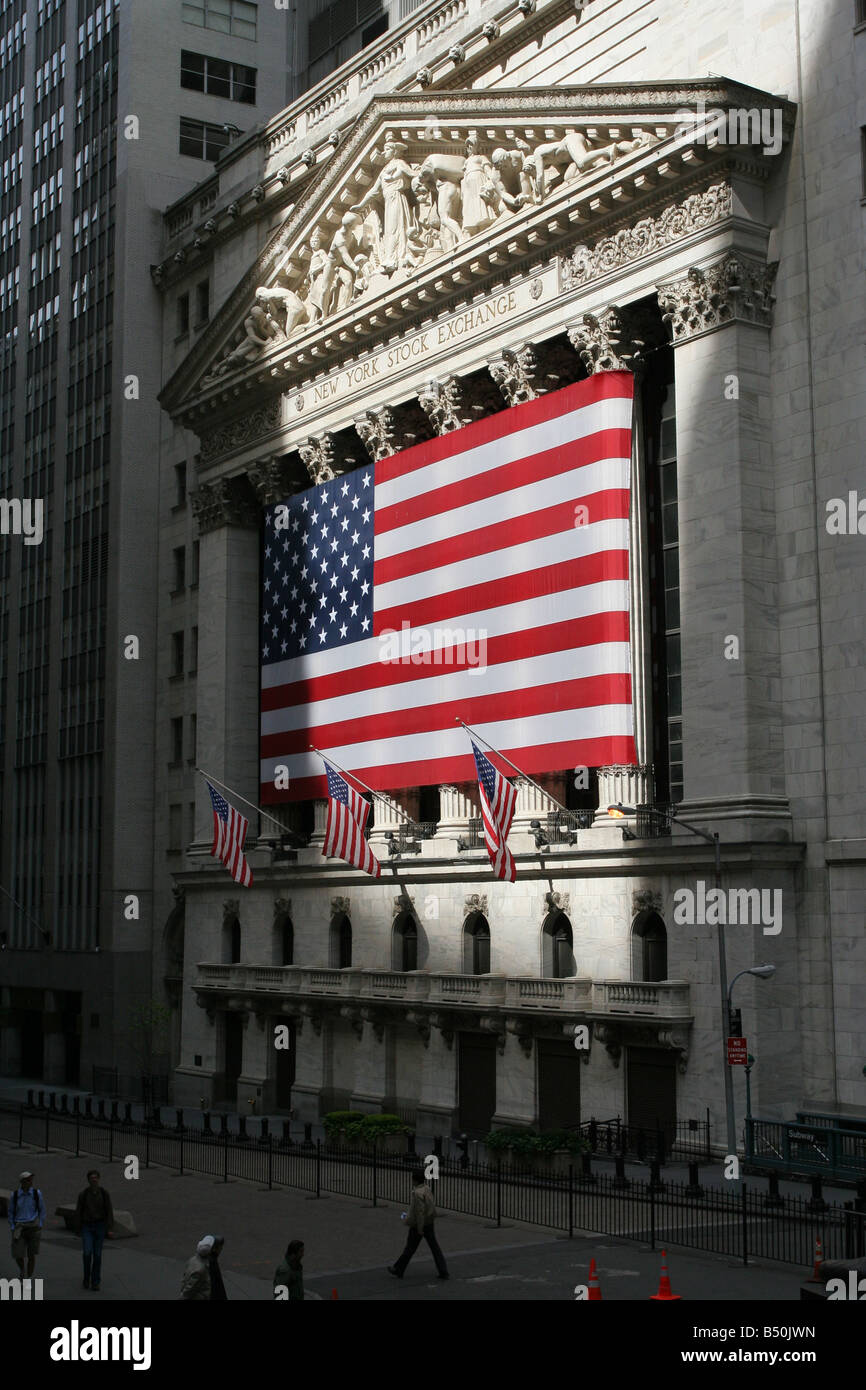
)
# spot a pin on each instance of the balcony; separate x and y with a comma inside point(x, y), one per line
point(603, 999)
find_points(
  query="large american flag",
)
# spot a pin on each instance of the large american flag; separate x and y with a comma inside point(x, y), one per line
point(483, 574)
point(229, 833)
point(347, 817)
point(498, 799)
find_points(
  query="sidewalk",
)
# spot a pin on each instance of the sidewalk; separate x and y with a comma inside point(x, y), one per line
point(349, 1245)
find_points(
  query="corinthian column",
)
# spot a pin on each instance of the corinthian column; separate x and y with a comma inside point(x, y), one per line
point(517, 373)
point(317, 453)
point(444, 403)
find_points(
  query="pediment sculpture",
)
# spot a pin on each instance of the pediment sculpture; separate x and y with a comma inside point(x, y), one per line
point(412, 212)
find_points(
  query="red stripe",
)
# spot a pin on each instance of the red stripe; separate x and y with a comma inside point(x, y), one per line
point(612, 503)
point(613, 688)
point(493, 482)
point(431, 772)
point(497, 593)
point(600, 386)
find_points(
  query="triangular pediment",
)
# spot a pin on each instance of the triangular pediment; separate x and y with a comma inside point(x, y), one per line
point(434, 197)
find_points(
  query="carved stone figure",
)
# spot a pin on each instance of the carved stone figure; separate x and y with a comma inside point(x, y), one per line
point(343, 265)
point(392, 190)
point(478, 189)
point(286, 310)
point(570, 157)
point(443, 174)
point(512, 183)
point(316, 273)
point(259, 332)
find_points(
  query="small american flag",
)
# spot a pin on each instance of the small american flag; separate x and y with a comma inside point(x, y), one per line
point(229, 833)
point(347, 817)
point(498, 799)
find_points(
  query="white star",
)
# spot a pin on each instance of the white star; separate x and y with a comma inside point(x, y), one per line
point(284, 612)
point(365, 624)
point(366, 480)
point(295, 523)
point(366, 552)
point(314, 518)
point(266, 618)
point(355, 503)
point(355, 537)
point(364, 587)
point(265, 651)
point(314, 552)
point(296, 559)
point(305, 537)
point(353, 610)
point(285, 578)
point(355, 572)
point(267, 552)
point(332, 615)
point(286, 543)
point(275, 632)
point(366, 515)
point(302, 641)
point(324, 530)
point(304, 572)
point(343, 631)
point(333, 546)
point(324, 495)
point(343, 596)
point(305, 504)
point(344, 489)
point(333, 581)
point(323, 600)
point(322, 635)
point(294, 626)
point(335, 510)
point(344, 524)
point(324, 567)
point(295, 592)
point(284, 646)
point(303, 607)
point(314, 586)
point(344, 559)
point(313, 621)
point(267, 583)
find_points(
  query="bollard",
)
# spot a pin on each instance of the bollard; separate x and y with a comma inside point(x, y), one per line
point(101, 1110)
point(88, 1108)
point(620, 1179)
point(52, 1099)
point(115, 1112)
point(76, 1105)
point(287, 1134)
point(264, 1137)
point(586, 1173)
point(656, 1176)
point(178, 1121)
point(30, 1098)
point(816, 1201)
point(773, 1198)
point(242, 1129)
point(206, 1129)
point(127, 1113)
point(308, 1134)
point(224, 1125)
point(694, 1188)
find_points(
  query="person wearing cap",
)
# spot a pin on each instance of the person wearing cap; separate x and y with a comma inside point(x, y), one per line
point(94, 1220)
point(196, 1283)
point(26, 1219)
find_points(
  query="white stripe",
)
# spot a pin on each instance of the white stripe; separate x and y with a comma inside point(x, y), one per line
point(603, 658)
point(497, 565)
point(535, 439)
point(587, 599)
point(598, 721)
point(576, 483)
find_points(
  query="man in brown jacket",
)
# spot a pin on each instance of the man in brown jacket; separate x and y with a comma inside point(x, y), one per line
point(94, 1220)
point(420, 1218)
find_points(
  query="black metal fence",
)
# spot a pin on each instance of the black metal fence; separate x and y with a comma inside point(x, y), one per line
point(744, 1225)
point(680, 1139)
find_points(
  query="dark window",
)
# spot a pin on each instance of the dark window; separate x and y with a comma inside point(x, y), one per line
point(177, 653)
point(193, 576)
point(651, 947)
point(374, 30)
point(341, 942)
point(234, 942)
point(217, 77)
point(193, 737)
point(558, 948)
point(177, 741)
point(285, 943)
point(179, 568)
point(406, 942)
point(476, 945)
point(202, 303)
point(860, 12)
point(180, 484)
point(200, 140)
point(182, 312)
point(193, 650)
point(236, 17)
point(174, 829)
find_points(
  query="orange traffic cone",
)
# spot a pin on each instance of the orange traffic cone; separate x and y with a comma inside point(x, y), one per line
point(819, 1260)
point(664, 1294)
point(594, 1295)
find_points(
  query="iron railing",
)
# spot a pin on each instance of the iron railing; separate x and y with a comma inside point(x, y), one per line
point(683, 1139)
point(745, 1225)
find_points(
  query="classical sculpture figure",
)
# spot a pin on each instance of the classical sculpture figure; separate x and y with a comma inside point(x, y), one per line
point(285, 308)
point(259, 332)
point(442, 174)
point(478, 190)
point(343, 265)
point(393, 190)
point(316, 273)
point(570, 157)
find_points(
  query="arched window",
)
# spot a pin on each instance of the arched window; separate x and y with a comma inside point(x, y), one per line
point(558, 947)
point(341, 941)
point(405, 952)
point(284, 940)
point(476, 945)
point(650, 947)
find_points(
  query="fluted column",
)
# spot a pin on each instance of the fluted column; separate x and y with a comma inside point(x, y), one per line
point(320, 822)
point(456, 809)
point(227, 737)
point(532, 804)
point(388, 815)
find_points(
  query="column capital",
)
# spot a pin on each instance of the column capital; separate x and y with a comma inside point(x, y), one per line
point(317, 453)
point(268, 479)
point(516, 372)
point(224, 502)
point(606, 341)
point(443, 401)
point(733, 288)
point(378, 432)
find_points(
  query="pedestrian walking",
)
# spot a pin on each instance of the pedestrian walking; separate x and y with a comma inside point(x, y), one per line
point(26, 1219)
point(94, 1220)
point(420, 1219)
point(289, 1276)
point(217, 1287)
point(196, 1283)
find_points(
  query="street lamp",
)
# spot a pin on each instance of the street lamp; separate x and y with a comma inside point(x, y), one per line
point(619, 812)
point(761, 972)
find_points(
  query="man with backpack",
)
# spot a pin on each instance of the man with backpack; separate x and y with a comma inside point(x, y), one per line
point(420, 1218)
point(26, 1219)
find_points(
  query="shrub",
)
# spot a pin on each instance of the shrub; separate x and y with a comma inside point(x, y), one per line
point(528, 1141)
point(336, 1121)
point(374, 1126)
point(353, 1126)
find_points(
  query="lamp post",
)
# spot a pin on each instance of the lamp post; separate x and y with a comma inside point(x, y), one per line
point(761, 972)
point(617, 812)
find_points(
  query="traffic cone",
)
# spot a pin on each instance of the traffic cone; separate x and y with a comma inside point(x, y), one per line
point(333, 1294)
point(594, 1295)
point(664, 1294)
point(819, 1260)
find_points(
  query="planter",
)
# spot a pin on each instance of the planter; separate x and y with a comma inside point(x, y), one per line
point(388, 1144)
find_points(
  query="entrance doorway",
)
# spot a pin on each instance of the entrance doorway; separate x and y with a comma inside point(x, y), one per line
point(477, 1083)
point(285, 1070)
point(652, 1091)
point(234, 1054)
point(558, 1084)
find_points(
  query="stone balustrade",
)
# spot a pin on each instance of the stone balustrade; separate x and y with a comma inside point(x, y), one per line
point(604, 998)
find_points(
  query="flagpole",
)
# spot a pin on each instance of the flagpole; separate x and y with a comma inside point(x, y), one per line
point(209, 778)
point(386, 799)
point(524, 775)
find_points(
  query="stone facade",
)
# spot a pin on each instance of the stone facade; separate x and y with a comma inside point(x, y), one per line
point(713, 255)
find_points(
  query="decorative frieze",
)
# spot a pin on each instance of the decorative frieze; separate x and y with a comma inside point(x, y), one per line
point(231, 910)
point(340, 905)
point(317, 453)
point(612, 253)
point(517, 373)
point(645, 900)
point(233, 436)
point(735, 287)
point(604, 342)
point(224, 502)
point(475, 902)
point(282, 907)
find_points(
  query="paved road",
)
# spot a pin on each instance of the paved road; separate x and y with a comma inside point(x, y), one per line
point(349, 1244)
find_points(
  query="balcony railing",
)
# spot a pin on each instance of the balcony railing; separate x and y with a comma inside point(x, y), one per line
point(611, 998)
